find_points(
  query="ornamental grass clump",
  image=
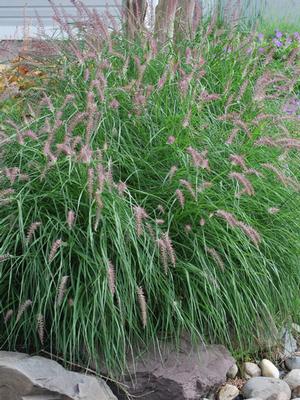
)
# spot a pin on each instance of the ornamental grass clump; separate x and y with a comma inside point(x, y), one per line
point(149, 190)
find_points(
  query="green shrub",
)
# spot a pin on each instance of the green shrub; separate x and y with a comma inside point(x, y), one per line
point(146, 193)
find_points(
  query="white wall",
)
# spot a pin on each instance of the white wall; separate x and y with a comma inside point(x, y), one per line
point(13, 14)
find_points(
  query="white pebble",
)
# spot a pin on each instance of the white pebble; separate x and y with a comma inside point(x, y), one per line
point(268, 369)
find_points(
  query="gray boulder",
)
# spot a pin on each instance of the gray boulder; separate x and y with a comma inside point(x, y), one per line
point(36, 378)
point(190, 373)
point(267, 389)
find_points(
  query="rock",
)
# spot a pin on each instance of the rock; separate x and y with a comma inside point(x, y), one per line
point(228, 392)
point(268, 369)
point(232, 372)
point(38, 378)
point(42, 397)
point(289, 343)
point(296, 327)
point(293, 379)
point(251, 370)
point(292, 363)
point(267, 389)
point(191, 373)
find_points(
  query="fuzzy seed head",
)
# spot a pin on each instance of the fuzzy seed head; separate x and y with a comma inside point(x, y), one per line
point(172, 172)
point(61, 291)
point(199, 159)
point(180, 197)
point(70, 219)
point(247, 185)
point(111, 276)
point(169, 248)
point(41, 327)
point(188, 186)
point(163, 254)
point(31, 231)
point(23, 307)
point(54, 249)
point(8, 316)
point(143, 305)
point(140, 215)
point(216, 257)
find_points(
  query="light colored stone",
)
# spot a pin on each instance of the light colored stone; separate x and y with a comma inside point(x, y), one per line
point(289, 343)
point(293, 379)
point(266, 389)
point(296, 327)
point(228, 392)
point(42, 397)
point(292, 363)
point(232, 372)
point(251, 370)
point(254, 398)
point(37, 378)
point(268, 369)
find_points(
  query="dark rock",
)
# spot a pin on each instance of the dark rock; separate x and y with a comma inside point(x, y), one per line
point(239, 397)
point(172, 375)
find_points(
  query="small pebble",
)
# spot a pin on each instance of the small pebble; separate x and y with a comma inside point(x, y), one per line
point(232, 372)
point(251, 370)
point(228, 392)
point(296, 327)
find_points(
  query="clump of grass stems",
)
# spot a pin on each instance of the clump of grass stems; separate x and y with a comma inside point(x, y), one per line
point(135, 199)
